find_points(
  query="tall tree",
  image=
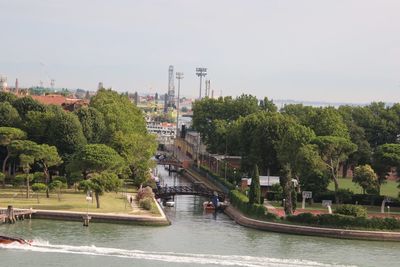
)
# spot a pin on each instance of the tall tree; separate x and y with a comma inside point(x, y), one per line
point(255, 190)
point(7, 135)
point(334, 150)
point(95, 158)
point(93, 124)
point(100, 183)
point(9, 116)
point(26, 104)
point(47, 156)
point(385, 158)
point(365, 177)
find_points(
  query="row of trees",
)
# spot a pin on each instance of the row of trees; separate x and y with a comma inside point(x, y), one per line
point(99, 145)
point(300, 143)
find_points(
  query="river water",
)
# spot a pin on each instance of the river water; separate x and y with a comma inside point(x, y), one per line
point(193, 239)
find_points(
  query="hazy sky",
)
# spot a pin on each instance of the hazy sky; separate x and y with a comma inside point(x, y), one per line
point(338, 50)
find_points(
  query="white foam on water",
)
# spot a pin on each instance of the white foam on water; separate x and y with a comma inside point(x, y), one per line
point(173, 257)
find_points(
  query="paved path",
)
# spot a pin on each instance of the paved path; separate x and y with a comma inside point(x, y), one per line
point(133, 203)
point(269, 206)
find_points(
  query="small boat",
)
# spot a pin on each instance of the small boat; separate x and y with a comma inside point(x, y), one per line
point(208, 206)
point(169, 203)
point(9, 240)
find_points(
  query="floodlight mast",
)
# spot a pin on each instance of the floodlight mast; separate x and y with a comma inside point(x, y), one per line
point(179, 77)
point(201, 72)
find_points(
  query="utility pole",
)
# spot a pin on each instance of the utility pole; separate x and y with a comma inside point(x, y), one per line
point(201, 72)
point(179, 76)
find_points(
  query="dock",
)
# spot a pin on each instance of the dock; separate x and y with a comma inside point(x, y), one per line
point(11, 215)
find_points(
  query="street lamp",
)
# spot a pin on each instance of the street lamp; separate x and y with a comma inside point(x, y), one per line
point(201, 72)
point(179, 76)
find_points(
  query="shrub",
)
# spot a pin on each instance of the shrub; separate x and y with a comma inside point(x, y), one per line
point(146, 192)
point(344, 221)
point(345, 196)
point(146, 203)
point(306, 218)
point(241, 202)
point(351, 210)
point(272, 216)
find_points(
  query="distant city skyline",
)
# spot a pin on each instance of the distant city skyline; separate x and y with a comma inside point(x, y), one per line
point(311, 50)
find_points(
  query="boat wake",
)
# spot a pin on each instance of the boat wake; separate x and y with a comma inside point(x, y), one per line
point(172, 257)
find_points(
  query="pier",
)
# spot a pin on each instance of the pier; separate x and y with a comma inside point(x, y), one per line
point(11, 215)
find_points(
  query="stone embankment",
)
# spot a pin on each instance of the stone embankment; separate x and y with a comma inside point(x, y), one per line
point(160, 220)
point(239, 218)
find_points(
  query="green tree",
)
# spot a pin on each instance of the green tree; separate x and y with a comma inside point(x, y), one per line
point(47, 157)
point(385, 158)
point(268, 105)
point(26, 104)
point(334, 150)
point(119, 113)
point(255, 190)
point(100, 183)
point(137, 150)
point(26, 162)
point(9, 116)
point(65, 133)
point(57, 186)
point(37, 188)
point(93, 124)
point(7, 97)
point(7, 135)
point(95, 158)
point(365, 177)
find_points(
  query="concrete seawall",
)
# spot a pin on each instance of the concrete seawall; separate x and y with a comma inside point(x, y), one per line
point(239, 218)
point(161, 220)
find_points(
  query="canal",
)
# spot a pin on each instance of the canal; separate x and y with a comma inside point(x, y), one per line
point(193, 239)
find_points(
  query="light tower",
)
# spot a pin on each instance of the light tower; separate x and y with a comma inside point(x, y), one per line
point(179, 77)
point(201, 72)
point(171, 86)
point(207, 93)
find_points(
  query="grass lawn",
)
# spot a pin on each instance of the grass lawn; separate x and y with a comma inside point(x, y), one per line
point(387, 189)
point(70, 201)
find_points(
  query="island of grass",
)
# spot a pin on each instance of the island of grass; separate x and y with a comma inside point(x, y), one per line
point(72, 205)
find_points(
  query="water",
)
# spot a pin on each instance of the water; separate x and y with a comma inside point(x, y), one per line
point(193, 239)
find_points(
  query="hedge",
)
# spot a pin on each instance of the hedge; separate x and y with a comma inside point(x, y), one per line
point(240, 201)
point(351, 210)
point(216, 177)
point(344, 221)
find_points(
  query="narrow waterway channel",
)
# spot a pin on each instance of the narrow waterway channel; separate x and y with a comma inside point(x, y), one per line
point(193, 239)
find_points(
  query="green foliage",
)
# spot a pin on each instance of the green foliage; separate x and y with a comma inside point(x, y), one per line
point(277, 191)
point(7, 134)
point(119, 113)
point(145, 192)
point(7, 97)
point(347, 222)
point(2, 177)
point(26, 104)
point(241, 202)
point(146, 203)
point(344, 195)
point(366, 178)
point(95, 158)
point(57, 185)
point(385, 157)
point(9, 116)
point(39, 187)
point(65, 133)
point(255, 190)
point(93, 124)
point(351, 210)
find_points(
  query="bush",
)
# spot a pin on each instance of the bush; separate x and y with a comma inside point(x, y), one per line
point(241, 202)
point(146, 192)
point(344, 221)
point(345, 196)
point(271, 216)
point(146, 203)
point(351, 210)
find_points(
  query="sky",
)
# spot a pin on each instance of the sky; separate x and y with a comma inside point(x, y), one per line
point(312, 50)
